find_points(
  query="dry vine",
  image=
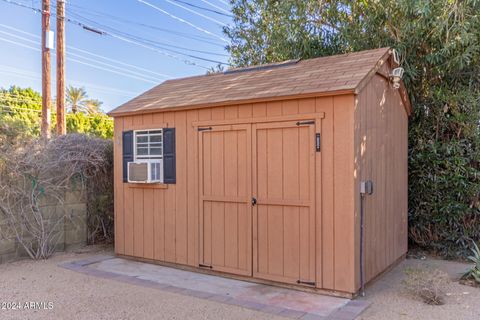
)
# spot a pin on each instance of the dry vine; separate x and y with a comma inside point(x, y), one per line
point(36, 171)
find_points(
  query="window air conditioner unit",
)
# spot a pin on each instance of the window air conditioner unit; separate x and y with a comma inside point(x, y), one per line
point(148, 171)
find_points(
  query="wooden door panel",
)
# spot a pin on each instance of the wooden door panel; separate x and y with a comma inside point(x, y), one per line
point(283, 181)
point(225, 193)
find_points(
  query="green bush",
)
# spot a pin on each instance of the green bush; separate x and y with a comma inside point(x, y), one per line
point(474, 272)
point(22, 107)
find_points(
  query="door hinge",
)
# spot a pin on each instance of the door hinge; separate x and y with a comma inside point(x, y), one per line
point(317, 142)
point(310, 283)
point(205, 266)
point(299, 123)
point(204, 129)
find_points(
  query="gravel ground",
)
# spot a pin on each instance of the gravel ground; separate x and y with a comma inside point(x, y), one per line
point(389, 300)
point(77, 296)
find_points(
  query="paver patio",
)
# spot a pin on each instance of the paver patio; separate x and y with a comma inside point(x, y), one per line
point(264, 298)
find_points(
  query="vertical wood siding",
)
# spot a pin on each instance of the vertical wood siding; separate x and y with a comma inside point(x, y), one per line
point(163, 223)
point(381, 141)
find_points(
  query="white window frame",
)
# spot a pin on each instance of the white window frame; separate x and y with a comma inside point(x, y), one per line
point(146, 158)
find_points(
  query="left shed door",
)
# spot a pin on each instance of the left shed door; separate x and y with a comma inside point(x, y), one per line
point(225, 190)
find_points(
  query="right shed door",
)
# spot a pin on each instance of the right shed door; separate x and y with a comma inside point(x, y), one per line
point(284, 215)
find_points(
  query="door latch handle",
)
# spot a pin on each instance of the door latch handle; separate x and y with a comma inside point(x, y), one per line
point(254, 201)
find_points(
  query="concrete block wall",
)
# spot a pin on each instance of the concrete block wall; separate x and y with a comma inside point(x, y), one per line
point(71, 232)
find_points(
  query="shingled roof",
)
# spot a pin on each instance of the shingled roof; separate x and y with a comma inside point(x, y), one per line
point(327, 75)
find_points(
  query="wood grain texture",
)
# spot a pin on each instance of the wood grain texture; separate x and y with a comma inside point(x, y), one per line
point(344, 226)
point(381, 156)
point(308, 201)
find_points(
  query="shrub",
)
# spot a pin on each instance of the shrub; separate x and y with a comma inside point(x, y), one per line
point(474, 272)
point(34, 171)
point(100, 201)
point(426, 284)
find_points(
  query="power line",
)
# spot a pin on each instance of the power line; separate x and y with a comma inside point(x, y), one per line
point(181, 20)
point(141, 42)
point(224, 2)
point(90, 53)
point(159, 44)
point(203, 39)
point(228, 14)
point(197, 13)
point(97, 88)
point(134, 74)
point(206, 9)
point(82, 25)
point(101, 89)
point(120, 62)
point(79, 61)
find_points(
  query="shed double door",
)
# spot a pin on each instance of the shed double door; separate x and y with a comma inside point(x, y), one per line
point(257, 204)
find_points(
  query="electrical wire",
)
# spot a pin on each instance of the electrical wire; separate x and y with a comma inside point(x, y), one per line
point(86, 27)
point(203, 39)
point(224, 2)
point(226, 13)
point(119, 70)
point(197, 13)
point(180, 19)
point(79, 61)
point(90, 53)
point(157, 43)
point(92, 87)
point(138, 41)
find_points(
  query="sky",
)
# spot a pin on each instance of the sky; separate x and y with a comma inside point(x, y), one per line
point(144, 43)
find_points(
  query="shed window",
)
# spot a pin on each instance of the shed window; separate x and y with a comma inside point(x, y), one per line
point(148, 144)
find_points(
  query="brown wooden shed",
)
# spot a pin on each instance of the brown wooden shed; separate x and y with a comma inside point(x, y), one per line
point(257, 172)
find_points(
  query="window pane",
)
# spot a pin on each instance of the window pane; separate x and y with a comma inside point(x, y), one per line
point(142, 151)
point(156, 151)
point(156, 144)
point(155, 138)
point(141, 139)
point(149, 144)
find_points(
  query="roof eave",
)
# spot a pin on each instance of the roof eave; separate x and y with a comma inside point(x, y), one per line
point(115, 113)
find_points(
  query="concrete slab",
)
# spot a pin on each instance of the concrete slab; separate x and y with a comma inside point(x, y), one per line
point(268, 299)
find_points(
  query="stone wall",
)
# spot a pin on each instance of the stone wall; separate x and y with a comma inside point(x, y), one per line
point(72, 232)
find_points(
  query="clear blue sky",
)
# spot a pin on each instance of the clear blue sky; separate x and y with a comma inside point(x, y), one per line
point(86, 51)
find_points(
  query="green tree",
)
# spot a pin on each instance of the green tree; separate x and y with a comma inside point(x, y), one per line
point(21, 108)
point(20, 111)
point(77, 99)
point(93, 106)
point(439, 44)
point(99, 125)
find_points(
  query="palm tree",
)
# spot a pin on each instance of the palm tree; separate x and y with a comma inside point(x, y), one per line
point(93, 106)
point(76, 98)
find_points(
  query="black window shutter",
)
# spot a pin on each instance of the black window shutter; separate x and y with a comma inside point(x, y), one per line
point(127, 142)
point(169, 158)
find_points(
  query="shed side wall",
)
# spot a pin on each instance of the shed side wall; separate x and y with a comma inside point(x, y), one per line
point(381, 151)
point(162, 223)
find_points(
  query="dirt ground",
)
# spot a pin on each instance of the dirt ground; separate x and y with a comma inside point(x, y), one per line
point(71, 295)
point(389, 300)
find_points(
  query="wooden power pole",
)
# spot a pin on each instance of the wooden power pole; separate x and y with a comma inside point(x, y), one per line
point(61, 125)
point(45, 128)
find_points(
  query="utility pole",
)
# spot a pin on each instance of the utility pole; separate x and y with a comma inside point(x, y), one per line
point(61, 125)
point(45, 128)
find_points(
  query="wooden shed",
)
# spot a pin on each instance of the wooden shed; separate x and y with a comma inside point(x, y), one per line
point(258, 172)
